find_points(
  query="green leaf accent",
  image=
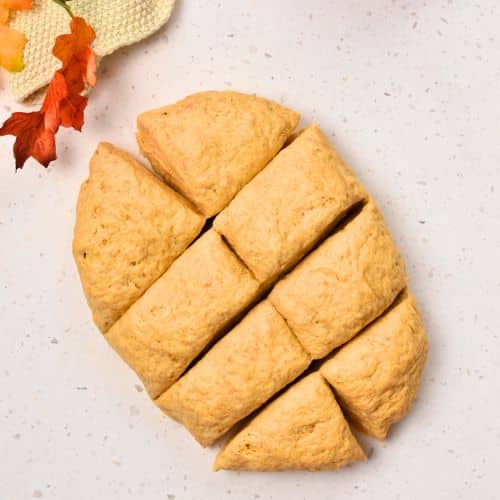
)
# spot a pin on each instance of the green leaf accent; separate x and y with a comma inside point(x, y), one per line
point(64, 5)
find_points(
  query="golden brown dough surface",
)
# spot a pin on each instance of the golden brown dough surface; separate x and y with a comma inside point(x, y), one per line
point(202, 291)
point(241, 372)
point(210, 144)
point(276, 218)
point(295, 261)
point(377, 374)
point(303, 428)
point(129, 228)
point(350, 279)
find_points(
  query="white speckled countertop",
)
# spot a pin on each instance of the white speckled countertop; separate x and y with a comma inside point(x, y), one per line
point(409, 92)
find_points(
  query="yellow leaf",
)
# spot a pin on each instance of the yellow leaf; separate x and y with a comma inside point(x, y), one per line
point(4, 14)
point(11, 49)
point(17, 4)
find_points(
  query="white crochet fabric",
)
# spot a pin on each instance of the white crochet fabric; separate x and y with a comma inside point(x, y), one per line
point(116, 23)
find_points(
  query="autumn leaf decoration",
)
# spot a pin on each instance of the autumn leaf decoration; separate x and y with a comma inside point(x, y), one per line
point(64, 103)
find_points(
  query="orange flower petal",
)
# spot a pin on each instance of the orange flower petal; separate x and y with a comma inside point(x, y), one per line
point(11, 49)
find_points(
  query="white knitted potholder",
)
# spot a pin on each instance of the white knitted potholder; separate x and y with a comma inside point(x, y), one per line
point(116, 23)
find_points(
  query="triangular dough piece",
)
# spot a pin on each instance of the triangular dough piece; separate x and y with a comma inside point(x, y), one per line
point(210, 144)
point(129, 228)
point(377, 374)
point(302, 429)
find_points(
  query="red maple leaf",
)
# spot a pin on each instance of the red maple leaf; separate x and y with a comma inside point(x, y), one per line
point(32, 138)
point(63, 104)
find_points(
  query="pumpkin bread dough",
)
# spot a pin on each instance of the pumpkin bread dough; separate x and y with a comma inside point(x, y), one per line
point(279, 215)
point(377, 374)
point(205, 289)
point(129, 228)
point(210, 144)
point(303, 428)
point(349, 280)
point(241, 372)
point(181, 311)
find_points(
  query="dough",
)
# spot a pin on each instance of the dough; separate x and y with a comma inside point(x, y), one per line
point(294, 264)
point(377, 374)
point(202, 292)
point(349, 280)
point(209, 145)
point(303, 428)
point(129, 229)
point(288, 206)
point(241, 372)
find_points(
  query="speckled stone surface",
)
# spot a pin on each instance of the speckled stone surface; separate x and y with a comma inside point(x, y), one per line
point(408, 93)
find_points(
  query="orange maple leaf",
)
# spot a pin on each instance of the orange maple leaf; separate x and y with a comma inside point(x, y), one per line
point(79, 64)
point(61, 106)
point(71, 111)
point(56, 93)
point(78, 70)
point(32, 138)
